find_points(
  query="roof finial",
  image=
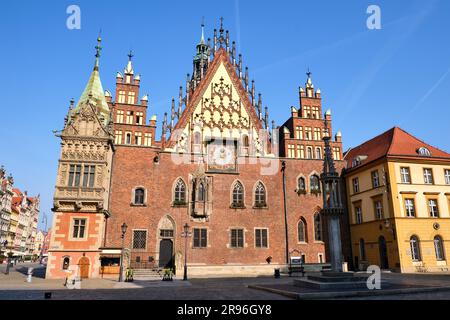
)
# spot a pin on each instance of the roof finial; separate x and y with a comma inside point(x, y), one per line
point(202, 40)
point(309, 73)
point(130, 55)
point(221, 25)
point(98, 48)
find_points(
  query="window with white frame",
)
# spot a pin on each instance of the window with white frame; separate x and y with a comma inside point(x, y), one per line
point(119, 116)
point(318, 153)
point(130, 115)
point(118, 137)
point(358, 215)
point(433, 208)
point(138, 138)
point(139, 117)
point(121, 96)
point(291, 151)
point(378, 209)
point(139, 196)
point(147, 139)
point(415, 248)
point(375, 179)
point(405, 175)
point(317, 134)
point(180, 192)
point(336, 153)
point(410, 208)
point(238, 195)
point(309, 153)
point(428, 176)
point(447, 176)
point(355, 182)
point(127, 137)
point(260, 195)
point(299, 132)
point(308, 133)
point(300, 152)
point(439, 248)
point(131, 97)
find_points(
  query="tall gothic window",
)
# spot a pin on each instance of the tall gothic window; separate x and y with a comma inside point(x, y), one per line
point(415, 248)
point(314, 183)
point(318, 227)
point(439, 248)
point(139, 194)
point(301, 184)
point(201, 193)
point(238, 195)
point(260, 195)
point(180, 192)
point(301, 229)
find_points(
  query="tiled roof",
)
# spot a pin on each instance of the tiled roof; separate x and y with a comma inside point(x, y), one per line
point(394, 142)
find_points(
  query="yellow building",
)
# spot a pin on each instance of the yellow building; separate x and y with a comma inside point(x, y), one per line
point(398, 195)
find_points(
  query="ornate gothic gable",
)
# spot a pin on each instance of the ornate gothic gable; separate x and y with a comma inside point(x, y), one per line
point(85, 122)
point(218, 108)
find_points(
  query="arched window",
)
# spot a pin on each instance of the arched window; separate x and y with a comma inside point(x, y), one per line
point(180, 192)
point(238, 195)
point(309, 153)
point(245, 140)
point(201, 193)
point(139, 195)
point(314, 183)
point(318, 153)
point(318, 227)
point(362, 249)
point(260, 195)
point(66, 263)
point(415, 248)
point(439, 248)
point(302, 231)
point(301, 184)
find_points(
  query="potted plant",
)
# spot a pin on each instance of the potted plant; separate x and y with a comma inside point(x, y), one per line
point(168, 275)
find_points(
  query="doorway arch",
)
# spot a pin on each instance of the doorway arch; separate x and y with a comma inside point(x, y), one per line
point(166, 239)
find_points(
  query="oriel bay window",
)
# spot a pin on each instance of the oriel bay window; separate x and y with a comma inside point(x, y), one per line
point(74, 175)
point(89, 176)
point(200, 238)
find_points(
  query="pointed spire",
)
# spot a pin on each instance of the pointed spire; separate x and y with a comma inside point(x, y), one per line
point(93, 91)
point(180, 100)
point(240, 66)
point(328, 163)
point(233, 53)
point(259, 105)
point(266, 117)
point(253, 92)
point(246, 79)
point(202, 39)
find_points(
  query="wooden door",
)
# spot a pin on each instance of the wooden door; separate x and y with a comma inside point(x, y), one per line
point(83, 265)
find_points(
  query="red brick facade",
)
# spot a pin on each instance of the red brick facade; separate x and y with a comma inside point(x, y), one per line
point(144, 176)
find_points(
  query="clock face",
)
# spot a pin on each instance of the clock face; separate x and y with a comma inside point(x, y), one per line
point(221, 156)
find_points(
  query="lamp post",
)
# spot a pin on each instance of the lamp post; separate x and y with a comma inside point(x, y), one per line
point(124, 230)
point(185, 234)
point(7, 258)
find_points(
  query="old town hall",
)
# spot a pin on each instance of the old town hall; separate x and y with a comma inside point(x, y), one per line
point(223, 188)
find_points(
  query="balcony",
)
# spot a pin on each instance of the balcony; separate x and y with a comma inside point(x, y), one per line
point(78, 193)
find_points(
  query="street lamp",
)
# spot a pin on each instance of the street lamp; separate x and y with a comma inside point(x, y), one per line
point(185, 234)
point(7, 258)
point(124, 230)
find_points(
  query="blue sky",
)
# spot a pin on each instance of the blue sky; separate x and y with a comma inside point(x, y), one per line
point(371, 79)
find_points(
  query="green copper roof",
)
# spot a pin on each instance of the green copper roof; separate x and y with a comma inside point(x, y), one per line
point(94, 91)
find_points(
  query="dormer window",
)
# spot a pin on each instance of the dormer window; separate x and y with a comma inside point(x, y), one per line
point(424, 152)
point(356, 162)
